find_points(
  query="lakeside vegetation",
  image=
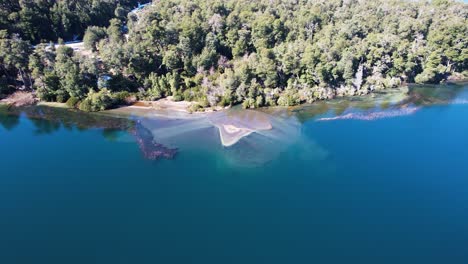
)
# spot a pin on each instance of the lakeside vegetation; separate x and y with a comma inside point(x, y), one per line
point(219, 53)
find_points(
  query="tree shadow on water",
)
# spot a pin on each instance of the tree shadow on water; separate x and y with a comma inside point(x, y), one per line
point(9, 122)
point(44, 127)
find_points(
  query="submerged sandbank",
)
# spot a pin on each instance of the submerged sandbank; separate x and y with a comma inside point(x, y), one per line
point(232, 124)
point(236, 124)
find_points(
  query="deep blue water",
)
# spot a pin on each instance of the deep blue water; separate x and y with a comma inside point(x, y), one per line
point(391, 190)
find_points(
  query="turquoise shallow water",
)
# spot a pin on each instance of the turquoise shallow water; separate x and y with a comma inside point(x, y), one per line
point(390, 190)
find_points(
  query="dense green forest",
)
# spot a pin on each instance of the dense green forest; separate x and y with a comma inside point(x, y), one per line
point(225, 52)
point(46, 20)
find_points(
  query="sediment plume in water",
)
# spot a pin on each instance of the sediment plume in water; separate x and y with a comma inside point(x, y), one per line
point(264, 145)
point(268, 135)
point(232, 125)
point(370, 116)
point(151, 149)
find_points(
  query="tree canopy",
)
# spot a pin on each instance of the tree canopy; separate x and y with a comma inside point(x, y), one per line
point(254, 53)
point(45, 20)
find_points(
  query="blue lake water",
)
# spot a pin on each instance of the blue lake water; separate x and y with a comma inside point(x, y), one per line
point(366, 181)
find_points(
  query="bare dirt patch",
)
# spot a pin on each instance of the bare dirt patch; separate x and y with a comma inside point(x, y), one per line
point(20, 99)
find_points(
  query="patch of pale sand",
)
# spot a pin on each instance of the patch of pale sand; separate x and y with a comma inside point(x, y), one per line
point(231, 129)
point(237, 124)
point(145, 109)
point(230, 134)
point(169, 104)
point(53, 104)
point(165, 107)
point(166, 104)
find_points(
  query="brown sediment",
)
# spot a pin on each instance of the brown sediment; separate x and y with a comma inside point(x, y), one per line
point(141, 104)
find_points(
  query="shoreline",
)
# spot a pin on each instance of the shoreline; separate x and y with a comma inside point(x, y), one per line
point(232, 123)
point(168, 105)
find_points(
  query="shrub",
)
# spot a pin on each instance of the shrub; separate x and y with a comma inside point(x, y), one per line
point(45, 94)
point(86, 105)
point(289, 98)
point(248, 103)
point(177, 97)
point(225, 102)
point(123, 98)
point(195, 108)
point(118, 82)
point(61, 96)
point(425, 77)
point(92, 36)
point(97, 101)
point(72, 102)
point(154, 94)
point(189, 95)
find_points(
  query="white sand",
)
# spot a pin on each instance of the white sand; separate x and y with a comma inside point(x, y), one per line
point(237, 124)
point(230, 134)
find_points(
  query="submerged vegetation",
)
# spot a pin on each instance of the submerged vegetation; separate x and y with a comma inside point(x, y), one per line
point(254, 53)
